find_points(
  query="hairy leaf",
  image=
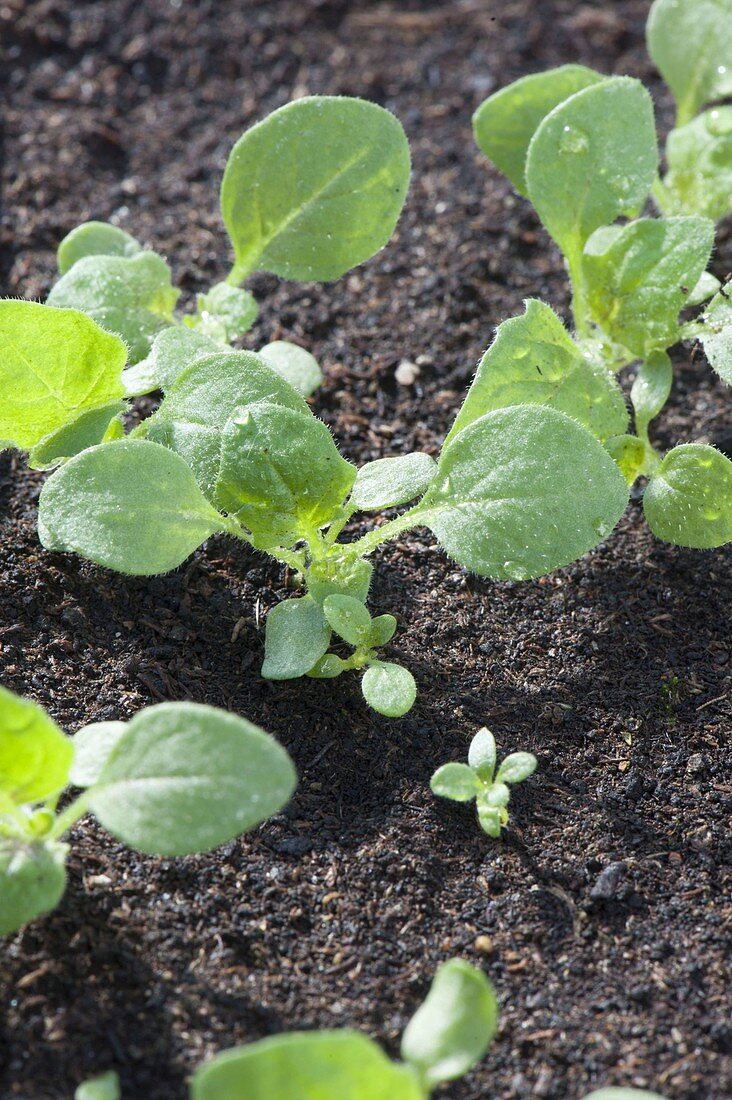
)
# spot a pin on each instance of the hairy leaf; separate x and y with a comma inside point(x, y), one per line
point(516, 767)
point(35, 755)
point(295, 364)
point(482, 754)
point(92, 747)
point(629, 453)
point(172, 351)
point(650, 389)
point(32, 881)
point(224, 313)
point(699, 157)
point(296, 637)
point(382, 630)
point(94, 239)
point(85, 431)
point(688, 500)
point(717, 336)
point(349, 618)
point(455, 781)
point(389, 688)
point(690, 42)
point(387, 482)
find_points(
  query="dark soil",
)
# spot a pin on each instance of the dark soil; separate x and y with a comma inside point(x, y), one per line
point(600, 915)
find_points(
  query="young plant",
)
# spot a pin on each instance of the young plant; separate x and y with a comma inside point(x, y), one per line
point(583, 148)
point(179, 778)
point(310, 192)
point(479, 780)
point(233, 448)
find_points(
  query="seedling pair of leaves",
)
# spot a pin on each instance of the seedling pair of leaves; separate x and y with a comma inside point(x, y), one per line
point(583, 148)
point(308, 193)
point(478, 780)
point(179, 778)
point(233, 448)
point(447, 1036)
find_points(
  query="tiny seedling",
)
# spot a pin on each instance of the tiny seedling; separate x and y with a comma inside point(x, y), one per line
point(179, 778)
point(308, 193)
point(233, 448)
point(479, 780)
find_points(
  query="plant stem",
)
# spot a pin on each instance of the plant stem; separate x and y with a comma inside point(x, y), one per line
point(579, 301)
point(387, 531)
point(68, 817)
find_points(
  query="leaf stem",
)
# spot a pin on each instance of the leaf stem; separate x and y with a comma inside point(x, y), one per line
point(68, 817)
point(390, 530)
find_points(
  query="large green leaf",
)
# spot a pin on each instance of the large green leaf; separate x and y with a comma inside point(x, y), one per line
point(296, 637)
point(691, 43)
point(639, 282)
point(32, 881)
point(716, 337)
point(35, 755)
point(55, 364)
point(281, 474)
point(185, 778)
point(592, 159)
point(534, 360)
point(505, 123)
point(95, 239)
point(699, 157)
point(132, 505)
point(93, 746)
point(315, 188)
point(688, 500)
point(452, 1030)
point(318, 1065)
point(522, 491)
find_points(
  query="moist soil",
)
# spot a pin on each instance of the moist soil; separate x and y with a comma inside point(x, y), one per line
point(600, 914)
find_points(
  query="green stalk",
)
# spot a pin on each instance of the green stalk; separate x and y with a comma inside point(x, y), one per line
point(68, 817)
point(369, 542)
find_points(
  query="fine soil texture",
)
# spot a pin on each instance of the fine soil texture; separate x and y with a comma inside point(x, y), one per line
point(600, 914)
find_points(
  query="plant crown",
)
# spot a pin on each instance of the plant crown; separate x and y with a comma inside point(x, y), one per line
point(177, 779)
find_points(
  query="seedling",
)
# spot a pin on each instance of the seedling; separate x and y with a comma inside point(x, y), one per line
point(479, 780)
point(582, 147)
point(310, 192)
point(179, 778)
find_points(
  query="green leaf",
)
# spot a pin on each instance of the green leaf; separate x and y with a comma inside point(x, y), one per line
point(690, 42)
point(225, 313)
point(389, 689)
point(172, 351)
point(131, 296)
point(85, 431)
point(315, 188)
point(349, 618)
point(55, 364)
point(199, 447)
point(650, 389)
point(355, 580)
point(491, 819)
point(457, 782)
point(186, 778)
point(516, 767)
point(637, 286)
point(699, 157)
point(315, 1065)
point(296, 637)
point(452, 1030)
point(295, 364)
point(328, 667)
point(494, 797)
point(591, 160)
point(707, 286)
point(505, 123)
point(688, 500)
point(534, 360)
point(382, 630)
point(482, 754)
point(94, 239)
point(623, 1094)
point(717, 336)
point(523, 491)
point(103, 1087)
point(92, 747)
point(131, 505)
point(629, 453)
point(281, 474)
point(32, 881)
point(35, 755)
point(391, 481)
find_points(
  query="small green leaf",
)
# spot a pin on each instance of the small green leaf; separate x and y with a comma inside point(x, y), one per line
point(315, 188)
point(510, 501)
point(706, 287)
point(688, 500)
point(328, 667)
point(382, 630)
point(482, 754)
point(452, 1030)
point(352, 581)
point(637, 286)
point(92, 747)
point(592, 159)
point(173, 350)
point(457, 782)
point(281, 476)
point(131, 505)
point(86, 430)
point(315, 1065)
point(94, 239)
point(296, 365)
point(296, 637)
point(699, 157)
point(717, 337)
point(186, 778)
point(505, 123)
point(55, 364)
point(650, 389)
point(103, 1087)
point(516, 767)
point(496, 796)
point(491, 819)
point(225, 313)
point(690, 42)
point(32, 881)
point(389, 689)
point(629, 453)
point(534, 360)
point(35, 755)
point(349, 618)
point(391, 481)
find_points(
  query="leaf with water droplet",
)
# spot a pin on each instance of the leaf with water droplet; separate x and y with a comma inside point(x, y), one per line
point(688, 500)
point(690, 42)
point(699, 157)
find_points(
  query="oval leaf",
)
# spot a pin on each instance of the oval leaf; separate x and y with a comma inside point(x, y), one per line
point(699, 157)
point(296, 637)
point(92, 747)
point(94, 239)
point(457, 782)
point(389, 689)
point(35, 754)
point(688, 500)
point(349, 618)
point(391, 481)
point(103, 1087)
point(516, 767)
point(690, 42)
point(295, 364)
point(482, 754)
point(32, 881)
